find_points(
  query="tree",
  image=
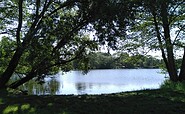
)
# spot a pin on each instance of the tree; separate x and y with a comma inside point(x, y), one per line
point(158, 25)
point(124, 60)
point(165, 17)
point(147, 25)
point(45, 36)
point(101, 60)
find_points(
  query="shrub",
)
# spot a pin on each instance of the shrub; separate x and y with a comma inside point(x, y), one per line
point(177, 86)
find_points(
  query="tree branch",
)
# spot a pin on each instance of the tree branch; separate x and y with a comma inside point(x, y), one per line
point(37, 8)
point(33, 73)
point(23, 80)
point(75, 29)
point(20, 23)
point(35, 25)
point(3, 32)
point(178, 33)
point(173, 18)
point(159, 39)
point(65, 4)
point(78, 55)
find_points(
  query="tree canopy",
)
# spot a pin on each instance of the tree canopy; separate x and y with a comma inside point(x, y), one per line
point(160, 25)
point(41, 37)
point(150, 25)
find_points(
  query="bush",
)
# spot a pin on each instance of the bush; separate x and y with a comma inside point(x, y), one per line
point(177, 86)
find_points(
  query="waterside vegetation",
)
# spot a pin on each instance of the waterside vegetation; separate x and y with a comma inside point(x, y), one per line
point(118, 60)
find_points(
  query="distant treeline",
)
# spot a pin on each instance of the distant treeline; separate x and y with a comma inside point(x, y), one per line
point(101, 60)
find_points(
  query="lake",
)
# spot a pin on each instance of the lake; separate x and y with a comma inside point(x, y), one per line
point(98, 82)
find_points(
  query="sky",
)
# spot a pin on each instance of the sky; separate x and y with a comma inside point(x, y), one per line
point(156, 54)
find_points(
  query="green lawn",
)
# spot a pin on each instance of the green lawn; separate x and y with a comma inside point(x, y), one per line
point(161, 101)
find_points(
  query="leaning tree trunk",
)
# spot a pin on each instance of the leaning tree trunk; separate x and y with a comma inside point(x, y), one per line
point(4, 78)
point(11, 68)
point(18, 83)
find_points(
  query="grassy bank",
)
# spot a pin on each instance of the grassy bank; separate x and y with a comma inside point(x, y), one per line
point(144, 102)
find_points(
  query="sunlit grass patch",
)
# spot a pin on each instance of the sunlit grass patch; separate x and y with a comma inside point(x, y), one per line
point(18, 109)
point(25, 107)
point(50, 104)
point(12, 109)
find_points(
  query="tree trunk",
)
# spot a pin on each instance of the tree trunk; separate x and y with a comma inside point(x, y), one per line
point(11, 68)
point(172, 68)
point(4, 78)
point(169, 46)
point(182, 69)
point(160, 39)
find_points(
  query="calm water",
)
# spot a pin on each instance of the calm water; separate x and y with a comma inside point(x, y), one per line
point(98, 82)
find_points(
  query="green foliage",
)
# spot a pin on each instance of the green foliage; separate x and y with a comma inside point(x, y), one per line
point(158, 25)
point(48, 36)
point(7, 48)
point(125, 60)
point(99, 60)
point(175, 86)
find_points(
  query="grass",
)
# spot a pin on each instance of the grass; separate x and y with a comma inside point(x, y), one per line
point(158, 101)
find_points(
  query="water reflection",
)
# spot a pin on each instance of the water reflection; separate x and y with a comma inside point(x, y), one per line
point(82, 88)
point(97, 82)
point(50, 87)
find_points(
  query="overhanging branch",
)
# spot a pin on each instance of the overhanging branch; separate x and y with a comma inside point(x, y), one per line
point(63, 41)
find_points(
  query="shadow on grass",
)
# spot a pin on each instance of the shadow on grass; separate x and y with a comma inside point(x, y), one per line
point(145, 102)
